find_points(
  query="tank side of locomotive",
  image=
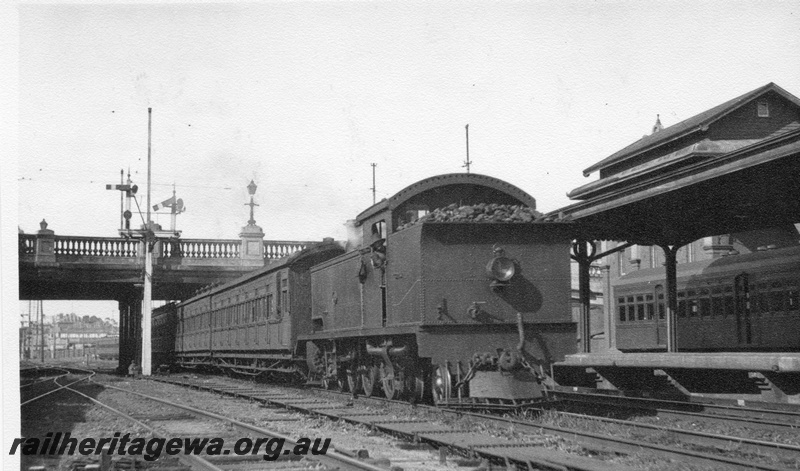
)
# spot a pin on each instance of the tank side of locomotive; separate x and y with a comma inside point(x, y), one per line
point(413, 307)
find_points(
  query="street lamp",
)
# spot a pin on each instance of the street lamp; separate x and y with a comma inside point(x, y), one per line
point(251, 188)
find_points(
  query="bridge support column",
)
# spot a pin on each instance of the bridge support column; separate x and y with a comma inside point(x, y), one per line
point(130, 309)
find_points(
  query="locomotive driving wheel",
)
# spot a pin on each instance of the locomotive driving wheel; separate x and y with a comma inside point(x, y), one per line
point(332, 378)
point(416, 386)
point(442, 384)
point(369, 379)
point(393, 381)
point(353, 381)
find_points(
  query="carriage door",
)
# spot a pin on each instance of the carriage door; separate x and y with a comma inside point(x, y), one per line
point(744, 333)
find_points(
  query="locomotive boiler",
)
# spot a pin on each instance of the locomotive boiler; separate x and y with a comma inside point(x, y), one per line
point(453, 291)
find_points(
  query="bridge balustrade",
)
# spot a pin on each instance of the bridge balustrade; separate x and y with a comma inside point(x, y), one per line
point(281, 248)
point(115, 247)
point(95, 246)
point(27, 244)
point(203, 248)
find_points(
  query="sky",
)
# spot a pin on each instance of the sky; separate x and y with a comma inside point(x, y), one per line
point(301, 97)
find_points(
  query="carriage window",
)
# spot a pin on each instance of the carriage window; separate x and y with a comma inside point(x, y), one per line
point(621, 313)
point(660, 297)
point(692, 303)
point(650, 307)
point(269, 308)
point(705, 307)
point(631, 308)
point(640, 308)
point(285, 302)
point(681, 304)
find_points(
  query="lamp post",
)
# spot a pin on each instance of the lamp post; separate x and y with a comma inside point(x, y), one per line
point(251, 188)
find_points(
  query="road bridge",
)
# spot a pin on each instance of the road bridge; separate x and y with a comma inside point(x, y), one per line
point(55, 267)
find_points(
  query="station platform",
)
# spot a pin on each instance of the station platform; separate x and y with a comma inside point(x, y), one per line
point(776, 362)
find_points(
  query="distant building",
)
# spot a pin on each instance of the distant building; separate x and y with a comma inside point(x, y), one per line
point(64, 335)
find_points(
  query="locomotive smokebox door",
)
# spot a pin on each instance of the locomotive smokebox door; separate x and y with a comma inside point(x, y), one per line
point(511, 385)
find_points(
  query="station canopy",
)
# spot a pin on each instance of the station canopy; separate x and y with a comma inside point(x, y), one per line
point(733, 168)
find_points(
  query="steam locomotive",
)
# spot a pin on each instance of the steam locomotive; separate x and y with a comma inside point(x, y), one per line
point(454, 289)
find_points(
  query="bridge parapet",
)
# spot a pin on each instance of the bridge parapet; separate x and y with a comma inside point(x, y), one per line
point(27, 244)
point(122, 248)
point(96, 246)
point(201, 248)
point(78, 267)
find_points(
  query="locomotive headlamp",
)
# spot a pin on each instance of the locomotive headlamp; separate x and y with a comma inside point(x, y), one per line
point(500, 268)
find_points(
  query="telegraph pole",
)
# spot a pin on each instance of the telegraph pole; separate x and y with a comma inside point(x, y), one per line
point(373, 182)
point(149, 240)
point(149, 134)
point(467, 162)
point(41, 330)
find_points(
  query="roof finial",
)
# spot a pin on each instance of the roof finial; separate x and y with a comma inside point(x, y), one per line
point(658, 126)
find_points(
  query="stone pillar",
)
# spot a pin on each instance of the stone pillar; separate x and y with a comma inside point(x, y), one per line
point(45, 245)
point(252, 248)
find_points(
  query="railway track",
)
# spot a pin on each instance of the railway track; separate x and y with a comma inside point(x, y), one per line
point(40, 388)
point(772, 455)
point(164, 419)
point(190, 420)
point(787, 418)
point(699, 440)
